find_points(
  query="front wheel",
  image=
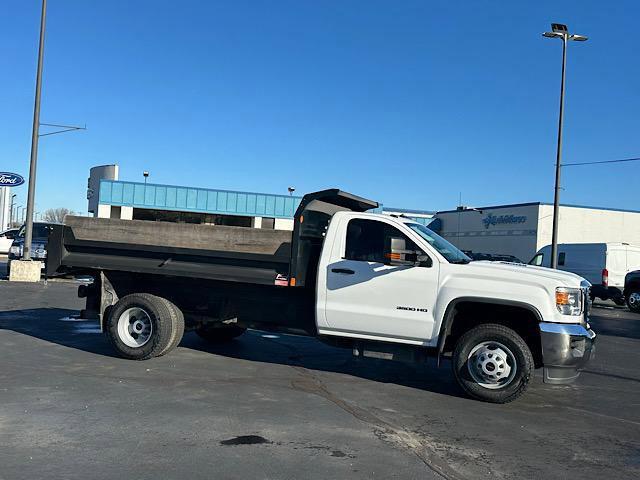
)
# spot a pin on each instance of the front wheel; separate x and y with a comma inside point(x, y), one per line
point(492, 363)
point(633, 301)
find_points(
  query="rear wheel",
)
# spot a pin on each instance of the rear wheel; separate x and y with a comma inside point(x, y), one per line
point(492, 363)
point(220, 334)
point(633, 301)
point(142, 326)
point(177, 329)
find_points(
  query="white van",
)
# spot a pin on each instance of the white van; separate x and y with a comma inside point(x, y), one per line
point(603, 264)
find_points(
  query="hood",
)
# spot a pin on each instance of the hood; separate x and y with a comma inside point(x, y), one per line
point(518, 270)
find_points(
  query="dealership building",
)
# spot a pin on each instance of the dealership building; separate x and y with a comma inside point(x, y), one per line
point(524, 228)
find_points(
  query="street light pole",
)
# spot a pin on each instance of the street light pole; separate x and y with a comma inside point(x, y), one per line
point(11, 210)
point(559, 31)
point(28, 233)
point(556, 195)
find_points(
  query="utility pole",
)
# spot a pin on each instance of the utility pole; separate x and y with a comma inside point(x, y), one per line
point(559, 31)
point(28, 234)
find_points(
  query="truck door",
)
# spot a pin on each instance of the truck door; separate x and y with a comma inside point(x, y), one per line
point(368, 296)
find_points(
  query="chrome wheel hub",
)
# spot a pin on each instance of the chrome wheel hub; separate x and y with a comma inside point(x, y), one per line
point(135, 327)
point(491, 365)
point(634, 300)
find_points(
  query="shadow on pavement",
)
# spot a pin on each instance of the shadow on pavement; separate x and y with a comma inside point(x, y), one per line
point(625, 327)
point(256, 346)
point(45, 324)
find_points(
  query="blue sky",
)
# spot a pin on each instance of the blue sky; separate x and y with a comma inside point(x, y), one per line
point(406, 102)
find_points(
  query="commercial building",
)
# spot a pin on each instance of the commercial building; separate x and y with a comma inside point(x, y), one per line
point(110, 197)
point(522, 229)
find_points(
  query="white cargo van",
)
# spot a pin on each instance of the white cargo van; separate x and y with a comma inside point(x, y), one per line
point(603, 264)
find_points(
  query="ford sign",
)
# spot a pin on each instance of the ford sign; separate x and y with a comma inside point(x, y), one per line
point(10, 179)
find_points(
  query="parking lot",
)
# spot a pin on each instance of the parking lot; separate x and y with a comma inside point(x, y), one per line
point(278, 406)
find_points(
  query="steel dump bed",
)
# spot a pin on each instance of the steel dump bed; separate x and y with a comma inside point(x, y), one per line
point(205, 251)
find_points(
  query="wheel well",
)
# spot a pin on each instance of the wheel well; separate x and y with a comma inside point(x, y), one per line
point(632, 286)
point(469, 314)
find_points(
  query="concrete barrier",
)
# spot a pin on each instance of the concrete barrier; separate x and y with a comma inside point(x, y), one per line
point(25, 271)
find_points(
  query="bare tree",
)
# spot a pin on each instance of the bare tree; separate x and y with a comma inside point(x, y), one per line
point(56, 215)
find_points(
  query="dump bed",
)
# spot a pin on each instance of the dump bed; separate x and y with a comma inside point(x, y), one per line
point(214, 252)
point(217, 252)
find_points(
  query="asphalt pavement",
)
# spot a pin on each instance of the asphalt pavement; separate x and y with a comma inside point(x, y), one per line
point(277, 406)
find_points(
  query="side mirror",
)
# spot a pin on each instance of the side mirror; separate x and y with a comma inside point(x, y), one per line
point(398, 255)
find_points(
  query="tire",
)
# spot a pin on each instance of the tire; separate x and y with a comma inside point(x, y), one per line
point(178, 327)
point(498, 349)
point(142, 326)
point(633, 301)
point(619, 301)
point(220, 334)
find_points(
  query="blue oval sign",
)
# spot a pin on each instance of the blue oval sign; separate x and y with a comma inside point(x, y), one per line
point(8, 179)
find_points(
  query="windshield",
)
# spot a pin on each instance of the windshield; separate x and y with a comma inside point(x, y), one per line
point(39, 231)
point(444, 248)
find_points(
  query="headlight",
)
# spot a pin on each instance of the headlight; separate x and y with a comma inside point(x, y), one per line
point(569, 300)
point(16, 250)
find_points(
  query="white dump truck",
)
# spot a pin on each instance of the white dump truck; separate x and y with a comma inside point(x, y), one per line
point(385, 287)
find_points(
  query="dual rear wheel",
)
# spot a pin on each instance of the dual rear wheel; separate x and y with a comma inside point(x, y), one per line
point(142, 326)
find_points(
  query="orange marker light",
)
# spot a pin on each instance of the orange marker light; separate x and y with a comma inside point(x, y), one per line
point(562, 298)
point(292, 282)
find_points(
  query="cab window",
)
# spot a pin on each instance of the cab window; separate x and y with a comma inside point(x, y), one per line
point(367, 240)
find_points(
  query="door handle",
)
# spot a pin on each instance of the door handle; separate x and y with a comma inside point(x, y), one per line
point(346, 271)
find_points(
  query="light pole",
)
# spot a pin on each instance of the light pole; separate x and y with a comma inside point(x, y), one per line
point(11, 209)
point(28, 233)
point(559, 31)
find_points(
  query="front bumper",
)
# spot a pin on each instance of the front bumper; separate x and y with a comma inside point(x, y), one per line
point(566, 349)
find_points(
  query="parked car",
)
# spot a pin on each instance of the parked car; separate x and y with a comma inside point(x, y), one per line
point(384, 287)
point(492, 257)
point(603, 264)
point(38, 244)
point(6, 239)
point(632, 290)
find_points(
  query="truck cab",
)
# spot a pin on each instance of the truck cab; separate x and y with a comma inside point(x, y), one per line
point(388, 280)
